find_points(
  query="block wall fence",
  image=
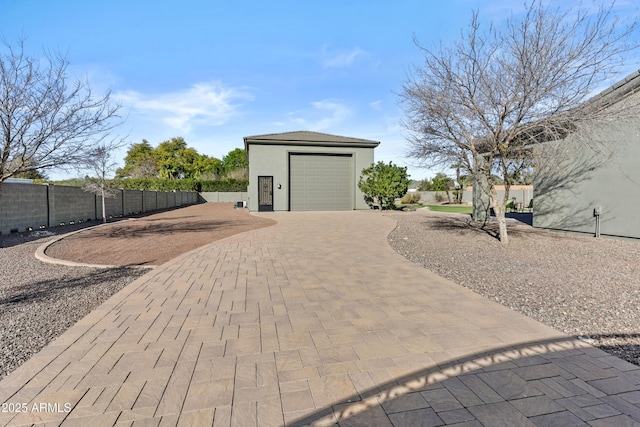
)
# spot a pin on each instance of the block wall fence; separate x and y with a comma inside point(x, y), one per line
point(224, 197)
point(24, 206)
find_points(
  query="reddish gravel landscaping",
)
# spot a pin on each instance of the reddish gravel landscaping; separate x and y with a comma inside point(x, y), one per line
point(157, 238)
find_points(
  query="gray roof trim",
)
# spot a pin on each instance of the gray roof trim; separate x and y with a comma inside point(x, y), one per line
point(618, 90)
point(308, 138)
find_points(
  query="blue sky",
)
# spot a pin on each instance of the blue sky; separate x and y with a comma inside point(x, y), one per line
point(215, 71)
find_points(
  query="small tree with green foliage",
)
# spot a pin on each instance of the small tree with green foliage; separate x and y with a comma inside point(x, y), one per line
point(384, 182)
point(441, 182)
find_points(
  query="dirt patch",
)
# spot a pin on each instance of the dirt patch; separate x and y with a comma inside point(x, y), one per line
point(157, 238)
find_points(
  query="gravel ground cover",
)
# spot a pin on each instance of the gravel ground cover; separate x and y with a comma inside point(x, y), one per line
point(39, 301)
point(579, 285)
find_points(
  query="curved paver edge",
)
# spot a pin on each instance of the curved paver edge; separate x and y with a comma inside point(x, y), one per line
point(41, 255)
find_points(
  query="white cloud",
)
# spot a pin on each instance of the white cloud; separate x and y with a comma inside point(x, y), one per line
point(338, 113)
point(324, 115)
point(376, 105)
point(209, 104)
point(341, 59)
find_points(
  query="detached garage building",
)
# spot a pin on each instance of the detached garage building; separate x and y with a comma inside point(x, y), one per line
point(306, 171)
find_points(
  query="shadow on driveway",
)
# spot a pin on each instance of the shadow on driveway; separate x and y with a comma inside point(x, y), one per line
point(560, 381)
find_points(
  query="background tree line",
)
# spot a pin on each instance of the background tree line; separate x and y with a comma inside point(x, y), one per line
point(173, 159)
point(172, 165)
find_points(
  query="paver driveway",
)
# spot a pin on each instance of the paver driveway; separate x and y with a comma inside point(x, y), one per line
point(315, 320)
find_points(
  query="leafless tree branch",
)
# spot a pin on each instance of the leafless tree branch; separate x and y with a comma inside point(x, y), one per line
point(101, 163)
point(497, 91)
point(47, 120)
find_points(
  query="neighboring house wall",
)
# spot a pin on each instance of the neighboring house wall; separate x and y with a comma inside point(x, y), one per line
point(589, 178)
point(595, 169)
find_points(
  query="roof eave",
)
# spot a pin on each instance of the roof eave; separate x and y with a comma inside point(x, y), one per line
point(355, 144)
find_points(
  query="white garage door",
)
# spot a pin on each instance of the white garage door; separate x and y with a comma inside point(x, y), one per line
point(320, 182)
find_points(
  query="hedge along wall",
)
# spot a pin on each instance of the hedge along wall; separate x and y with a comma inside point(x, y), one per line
point(24, 206)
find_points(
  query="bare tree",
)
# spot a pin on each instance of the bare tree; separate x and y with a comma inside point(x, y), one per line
point(46, 119)
point(482, 101)
point(101, 163)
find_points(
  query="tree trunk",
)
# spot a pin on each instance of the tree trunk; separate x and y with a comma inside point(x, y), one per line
point(499, 206)
point(104, 207)
point(458, 194)
point(481, 199)
point(502, 226)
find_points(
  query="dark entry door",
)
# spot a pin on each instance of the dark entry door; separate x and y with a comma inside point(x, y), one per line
point(265, 194)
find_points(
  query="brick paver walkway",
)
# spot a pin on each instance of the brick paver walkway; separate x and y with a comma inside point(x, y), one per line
point(317, 321)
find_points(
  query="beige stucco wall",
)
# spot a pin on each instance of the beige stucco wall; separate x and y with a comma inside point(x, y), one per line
point(273, 160)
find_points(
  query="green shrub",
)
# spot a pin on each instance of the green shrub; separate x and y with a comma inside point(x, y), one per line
point(410, 198)
point(384, 182)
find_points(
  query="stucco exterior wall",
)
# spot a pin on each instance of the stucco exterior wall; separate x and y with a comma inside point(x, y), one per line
point(566, 196)
point(273, 160)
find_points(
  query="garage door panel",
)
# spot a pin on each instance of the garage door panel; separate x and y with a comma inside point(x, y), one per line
point(321, 182)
